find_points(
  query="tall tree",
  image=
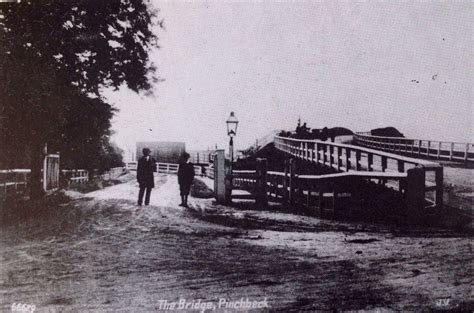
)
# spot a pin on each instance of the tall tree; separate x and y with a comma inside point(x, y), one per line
point(54, 53)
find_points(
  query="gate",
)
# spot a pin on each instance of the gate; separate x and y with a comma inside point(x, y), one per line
point(51, 172)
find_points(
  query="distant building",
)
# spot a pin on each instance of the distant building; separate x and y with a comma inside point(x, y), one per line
point(162, 151)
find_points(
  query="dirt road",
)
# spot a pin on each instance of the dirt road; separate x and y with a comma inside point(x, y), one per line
point(100, 252)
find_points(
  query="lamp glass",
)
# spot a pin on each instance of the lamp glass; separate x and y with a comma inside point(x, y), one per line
point(232, 123)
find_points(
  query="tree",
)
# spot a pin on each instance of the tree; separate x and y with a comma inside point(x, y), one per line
point(54, 58)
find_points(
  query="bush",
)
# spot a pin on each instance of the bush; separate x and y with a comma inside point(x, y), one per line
point(200, 190)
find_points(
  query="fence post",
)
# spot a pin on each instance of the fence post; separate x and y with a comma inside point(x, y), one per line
point(439, 187)
point(348, 159)
point(219, 176)
point(384, 163)
point(415, 190)
point(358, 160)
point(261, 198)
point(331, 156)
point(325, 156)
point(401, 166)
point(316, 150)
point(339, 158)
point(370, 161)
point(291, 195)
point(285, 183)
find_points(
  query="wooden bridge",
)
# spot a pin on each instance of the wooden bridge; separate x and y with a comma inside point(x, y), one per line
point(429, 149)
point(419, 182)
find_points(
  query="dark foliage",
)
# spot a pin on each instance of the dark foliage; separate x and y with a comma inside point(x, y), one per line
point(386, 132)
point(304, 132)
point(54, 58)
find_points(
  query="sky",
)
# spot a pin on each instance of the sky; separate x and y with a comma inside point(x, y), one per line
point(359, 65)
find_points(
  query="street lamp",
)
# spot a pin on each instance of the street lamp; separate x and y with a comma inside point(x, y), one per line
point(232, 123)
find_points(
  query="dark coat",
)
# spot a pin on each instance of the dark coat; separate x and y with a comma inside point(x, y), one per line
point(186, 174)
point(145, 171)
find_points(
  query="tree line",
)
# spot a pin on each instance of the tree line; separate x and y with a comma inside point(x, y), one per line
point(55, 57)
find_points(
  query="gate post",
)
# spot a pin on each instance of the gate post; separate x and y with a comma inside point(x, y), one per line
point(415, 190)
point(228, 181)
point(219, 176)
point(261, 198)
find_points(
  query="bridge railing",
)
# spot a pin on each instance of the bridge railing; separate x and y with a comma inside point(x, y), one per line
point(441, 150)
point(349, 158)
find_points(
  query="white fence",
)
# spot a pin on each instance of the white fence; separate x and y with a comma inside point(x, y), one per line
point(14, 181)
point(131, 166)
point(75, 176)
point(440, 150)
point(168, 168)
point(172, 168)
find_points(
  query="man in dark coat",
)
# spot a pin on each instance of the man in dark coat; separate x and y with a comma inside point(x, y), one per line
point(185, 178)
point(146, 180)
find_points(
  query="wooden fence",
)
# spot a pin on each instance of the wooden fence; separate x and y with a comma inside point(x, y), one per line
point(131, 166)
point(14, 181)
point(431, 149)
point(75, 176)
point(349, 158)
point(420, 182)
point(172, 168)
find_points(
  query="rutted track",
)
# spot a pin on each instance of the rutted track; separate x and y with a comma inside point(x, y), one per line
point(102, 252)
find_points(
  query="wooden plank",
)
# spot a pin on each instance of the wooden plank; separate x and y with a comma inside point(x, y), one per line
point(243, 196)
point(363, 174)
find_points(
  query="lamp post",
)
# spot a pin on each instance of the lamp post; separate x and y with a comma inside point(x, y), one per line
point(232, 123)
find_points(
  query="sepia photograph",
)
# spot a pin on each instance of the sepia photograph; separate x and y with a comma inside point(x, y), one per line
point(236, 156)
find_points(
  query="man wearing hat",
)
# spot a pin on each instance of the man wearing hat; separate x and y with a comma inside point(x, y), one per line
point(146, 180)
